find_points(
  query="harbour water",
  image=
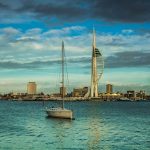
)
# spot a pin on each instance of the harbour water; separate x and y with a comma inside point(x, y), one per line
point(97, 126)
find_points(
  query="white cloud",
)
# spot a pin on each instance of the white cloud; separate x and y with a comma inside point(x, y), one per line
point(35, 39)
point(37, 46)
point(20, 44)
point(9, 31)
point(127, 31)
point(64, 31)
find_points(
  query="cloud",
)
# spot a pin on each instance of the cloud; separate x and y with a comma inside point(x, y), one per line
point(35, 48)
point(16, 42)
point(41, 63)
point(9, 31)
point(15, 65)
point(127, 31)
point(65, 10)
point(65, 31)
point(128, 59)
point(124, 59)
point(77, 11)
point(3, 6)
point(122, 11)
point(118, 60)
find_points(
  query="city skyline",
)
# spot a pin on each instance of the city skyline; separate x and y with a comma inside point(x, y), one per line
point(31, 35)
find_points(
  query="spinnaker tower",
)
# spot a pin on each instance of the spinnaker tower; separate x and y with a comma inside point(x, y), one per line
point(97, 67)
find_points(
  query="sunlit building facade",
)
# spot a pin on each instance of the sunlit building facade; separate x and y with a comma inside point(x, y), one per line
point(31, 88)
point(109, 89)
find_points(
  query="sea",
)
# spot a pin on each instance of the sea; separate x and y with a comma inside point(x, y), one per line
point(24, 125)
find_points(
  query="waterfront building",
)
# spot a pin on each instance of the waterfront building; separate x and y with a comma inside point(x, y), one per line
point(80, 92)
point(85, 91)
point(109, 89)
point(63, 91)
point(109, 96)
point(31, 88)
point(97, 68)
point(141, 94)
point(131, 94)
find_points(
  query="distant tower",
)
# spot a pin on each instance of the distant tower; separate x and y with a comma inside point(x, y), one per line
point(31, 88)
point(109, 89)
point(96, 67)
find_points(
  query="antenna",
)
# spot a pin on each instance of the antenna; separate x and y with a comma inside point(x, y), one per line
point(63, 73)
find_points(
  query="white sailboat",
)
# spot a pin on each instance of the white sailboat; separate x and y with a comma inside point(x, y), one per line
point(60, 112)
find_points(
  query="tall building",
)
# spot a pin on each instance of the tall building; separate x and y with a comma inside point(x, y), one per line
point(96, 68)
point(31, 88)
point(109, 89)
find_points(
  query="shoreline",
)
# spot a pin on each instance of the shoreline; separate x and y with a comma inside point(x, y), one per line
point(76, 100)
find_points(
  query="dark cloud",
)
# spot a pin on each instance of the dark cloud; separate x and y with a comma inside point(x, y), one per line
point(63, 11)
point(29, 65)
point(79, 10)
point(122, 60)
point(3, 6)
point(16, 65)
point(40, 64)
point(79, 60)
point(128, 59)
point(118, 60)
point(122, 10)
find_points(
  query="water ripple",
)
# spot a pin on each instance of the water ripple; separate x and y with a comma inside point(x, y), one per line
point(98, 126)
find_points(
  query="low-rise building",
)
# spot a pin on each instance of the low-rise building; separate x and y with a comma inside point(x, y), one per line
point(79, 92)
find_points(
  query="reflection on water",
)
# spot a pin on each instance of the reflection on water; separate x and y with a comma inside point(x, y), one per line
point(94, 134)
point(97, 125)
point(65, 134)
point(94, 129)
point(60, 129)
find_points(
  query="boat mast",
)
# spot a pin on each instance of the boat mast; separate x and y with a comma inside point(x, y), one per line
point(63, 74)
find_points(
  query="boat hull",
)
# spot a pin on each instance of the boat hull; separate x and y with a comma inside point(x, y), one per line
point(59, 113)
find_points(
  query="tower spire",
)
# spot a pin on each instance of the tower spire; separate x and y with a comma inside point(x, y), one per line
point(94, 37)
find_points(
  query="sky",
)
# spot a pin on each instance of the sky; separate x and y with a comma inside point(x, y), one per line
point(31, 33)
